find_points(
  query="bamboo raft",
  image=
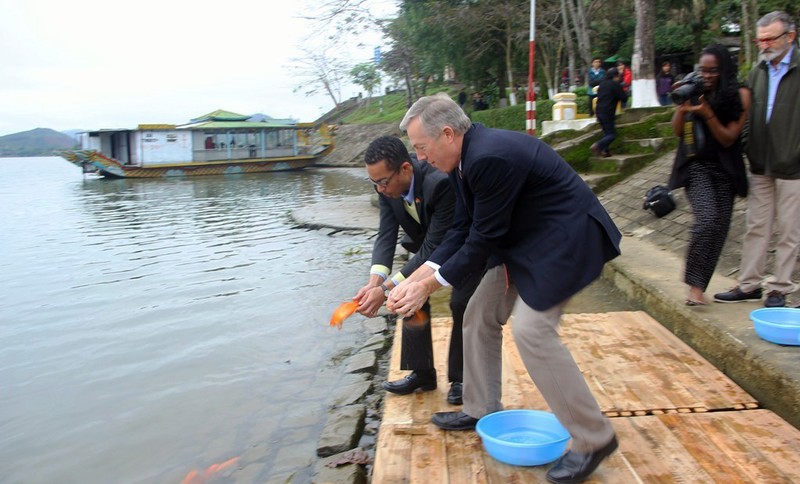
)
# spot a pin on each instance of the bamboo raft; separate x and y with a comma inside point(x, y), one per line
point(677, 417)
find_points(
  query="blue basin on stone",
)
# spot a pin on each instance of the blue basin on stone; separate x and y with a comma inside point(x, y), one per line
point(523, 437)
point(777, 325)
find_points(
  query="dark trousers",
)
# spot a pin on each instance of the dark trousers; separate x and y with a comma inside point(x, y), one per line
point(711, 194)
point(416, 352)
point(608, 123)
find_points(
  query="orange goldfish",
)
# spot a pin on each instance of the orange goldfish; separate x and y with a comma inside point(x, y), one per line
point(195, 477)
point(344, 311)
point(420, 318)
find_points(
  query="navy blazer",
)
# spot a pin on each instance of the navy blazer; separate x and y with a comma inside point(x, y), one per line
point(435, 201)
point(518, 200)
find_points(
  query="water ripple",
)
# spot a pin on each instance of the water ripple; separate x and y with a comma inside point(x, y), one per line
point(166, 313)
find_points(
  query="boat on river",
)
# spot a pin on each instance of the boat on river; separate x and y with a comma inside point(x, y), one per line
point(218, 143)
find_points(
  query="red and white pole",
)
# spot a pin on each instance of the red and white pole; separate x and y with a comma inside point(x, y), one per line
point(530, 105)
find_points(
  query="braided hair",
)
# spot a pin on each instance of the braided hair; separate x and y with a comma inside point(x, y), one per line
point(725, 100)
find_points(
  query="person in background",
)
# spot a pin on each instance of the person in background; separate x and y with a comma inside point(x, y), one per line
point(418, 198)
point(773, 149)
point(664, 82)
point(462, 98)
point(709, 163)
point(595, 76)
point(478, 103)
point(626, 79)
point(525, 214)
point(609, 93)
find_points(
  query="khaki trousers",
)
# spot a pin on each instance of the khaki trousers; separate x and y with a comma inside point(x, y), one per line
point(773, 205)
point(548, 361)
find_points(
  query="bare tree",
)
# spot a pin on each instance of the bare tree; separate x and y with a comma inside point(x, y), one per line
point(580, 24)
point(568, 43)
point(338, 19)
point(549, 47)
point(644, 83)
point(336, 23)
point(320, 72)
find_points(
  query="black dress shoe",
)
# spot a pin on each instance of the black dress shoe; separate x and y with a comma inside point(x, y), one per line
point(575, 467)
point(454, 421)
point(454, 396)
point(411, 383)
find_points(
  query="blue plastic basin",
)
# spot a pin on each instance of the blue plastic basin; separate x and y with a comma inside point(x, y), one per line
point(777, 325)
point(523, 437)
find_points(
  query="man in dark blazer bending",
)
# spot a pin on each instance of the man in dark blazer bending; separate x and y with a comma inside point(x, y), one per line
point(418, 198)
point(520, 202)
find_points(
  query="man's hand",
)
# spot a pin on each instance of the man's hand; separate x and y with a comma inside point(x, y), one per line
point(407, 298)
point(370, 299)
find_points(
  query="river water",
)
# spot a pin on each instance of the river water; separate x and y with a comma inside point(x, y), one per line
point(153, 327)
point(149, 328)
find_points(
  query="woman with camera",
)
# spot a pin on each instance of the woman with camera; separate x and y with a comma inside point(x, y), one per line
point(711, 113)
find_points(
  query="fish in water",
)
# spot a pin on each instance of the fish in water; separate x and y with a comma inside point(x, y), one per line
point(212, 472)
point(344, 311)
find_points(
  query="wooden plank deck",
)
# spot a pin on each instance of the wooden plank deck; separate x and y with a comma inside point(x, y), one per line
point(677, 417)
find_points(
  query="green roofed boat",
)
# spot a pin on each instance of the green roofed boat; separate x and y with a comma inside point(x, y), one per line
point(217, 143)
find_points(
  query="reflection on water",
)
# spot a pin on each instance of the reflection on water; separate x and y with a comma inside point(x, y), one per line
point(151, 327)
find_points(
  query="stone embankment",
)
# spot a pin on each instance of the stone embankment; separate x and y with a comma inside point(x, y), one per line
point(346, 444)
point(352, 140)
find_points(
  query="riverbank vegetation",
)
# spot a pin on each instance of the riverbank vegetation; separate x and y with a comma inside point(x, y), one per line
point(484, 45)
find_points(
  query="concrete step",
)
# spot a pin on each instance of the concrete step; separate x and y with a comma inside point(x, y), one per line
point(616, 162)
point(654, 144)
point(595, 179)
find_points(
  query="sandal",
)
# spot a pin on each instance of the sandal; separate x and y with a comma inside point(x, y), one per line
point(692, 302)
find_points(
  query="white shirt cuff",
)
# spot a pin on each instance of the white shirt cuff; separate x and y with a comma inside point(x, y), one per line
point(441, 279)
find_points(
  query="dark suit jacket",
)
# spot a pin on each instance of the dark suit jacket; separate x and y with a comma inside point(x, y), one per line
point(520, 201)
point(608, 95)
point(435, 202)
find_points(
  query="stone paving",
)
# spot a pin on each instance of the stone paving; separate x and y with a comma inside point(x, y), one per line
point(624, 202)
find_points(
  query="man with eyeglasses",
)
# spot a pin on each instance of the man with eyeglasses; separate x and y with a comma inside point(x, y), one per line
point(773, 149)
point(417, 197)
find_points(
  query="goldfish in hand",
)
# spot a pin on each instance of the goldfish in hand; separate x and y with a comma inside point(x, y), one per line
point(344, 311)
point(417, 320)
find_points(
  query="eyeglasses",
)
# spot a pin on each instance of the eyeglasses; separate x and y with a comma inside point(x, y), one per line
point(769, 40)
point(711, 71)
point(383, 182)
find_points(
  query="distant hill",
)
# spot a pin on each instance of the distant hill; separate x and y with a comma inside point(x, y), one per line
point(36, 142)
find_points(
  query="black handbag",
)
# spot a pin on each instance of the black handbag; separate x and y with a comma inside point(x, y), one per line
point(659, 200)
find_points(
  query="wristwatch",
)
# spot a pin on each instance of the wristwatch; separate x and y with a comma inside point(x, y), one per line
point(386, 290)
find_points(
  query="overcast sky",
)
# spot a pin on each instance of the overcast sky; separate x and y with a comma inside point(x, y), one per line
point(92, 64)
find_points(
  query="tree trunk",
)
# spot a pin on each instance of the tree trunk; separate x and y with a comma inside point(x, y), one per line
point(568, 44)
point(698, 26)
point(749, 10)
point(579, 23)
point(502, 99)
point(644, 83)
point(512, 98)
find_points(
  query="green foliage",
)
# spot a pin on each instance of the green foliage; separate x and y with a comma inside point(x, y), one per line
point(513, 117)
point(673, 37)
point(367, 76)
point(393, 107)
